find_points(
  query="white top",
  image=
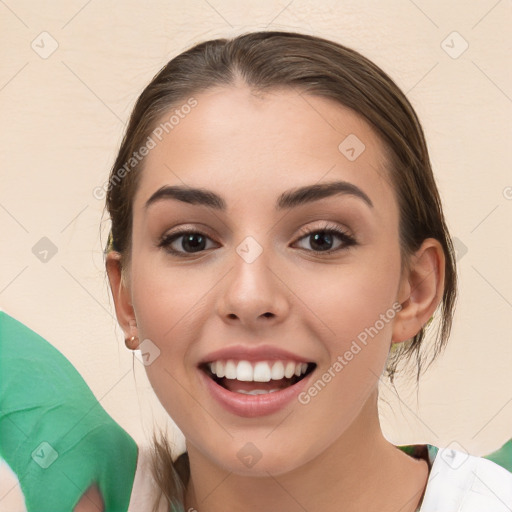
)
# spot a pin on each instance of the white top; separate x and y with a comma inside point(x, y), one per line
point(459, 482)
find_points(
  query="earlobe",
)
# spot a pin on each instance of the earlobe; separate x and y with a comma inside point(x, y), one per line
point(121, 294)
point(421, 290)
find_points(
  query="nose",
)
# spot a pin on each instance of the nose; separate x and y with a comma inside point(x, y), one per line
point(254, 293)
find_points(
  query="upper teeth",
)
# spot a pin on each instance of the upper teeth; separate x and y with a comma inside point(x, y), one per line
point(260, 371)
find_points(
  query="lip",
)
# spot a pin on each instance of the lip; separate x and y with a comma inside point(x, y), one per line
point(251, 406)
point(259, 353)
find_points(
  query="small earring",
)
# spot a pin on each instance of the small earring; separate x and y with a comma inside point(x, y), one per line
point(130, 343)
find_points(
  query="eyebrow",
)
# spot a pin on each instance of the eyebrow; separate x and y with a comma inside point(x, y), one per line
point(288, 199)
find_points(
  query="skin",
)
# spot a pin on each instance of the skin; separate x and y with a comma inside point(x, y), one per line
point(249, 148)
point(91, 501)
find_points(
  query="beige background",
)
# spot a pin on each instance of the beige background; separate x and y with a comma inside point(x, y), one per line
point(62, 120)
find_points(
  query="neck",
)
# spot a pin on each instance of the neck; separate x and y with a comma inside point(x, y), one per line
point(360, 471)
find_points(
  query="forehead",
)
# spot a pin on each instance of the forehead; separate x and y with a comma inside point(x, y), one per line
point(251, 146)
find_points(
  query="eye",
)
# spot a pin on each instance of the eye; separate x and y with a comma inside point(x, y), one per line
point(321, 239)
point(192, 242)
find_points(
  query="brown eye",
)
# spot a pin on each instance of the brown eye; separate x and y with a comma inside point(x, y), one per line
point(322, 239)
point(191, 242)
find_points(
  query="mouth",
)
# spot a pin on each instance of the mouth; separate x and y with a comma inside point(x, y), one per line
point(256, 378)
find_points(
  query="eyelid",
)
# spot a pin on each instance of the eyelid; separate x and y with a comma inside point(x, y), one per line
point(325, 226)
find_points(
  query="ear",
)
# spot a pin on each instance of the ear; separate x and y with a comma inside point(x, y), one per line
point(421, 289)
point(121, 294)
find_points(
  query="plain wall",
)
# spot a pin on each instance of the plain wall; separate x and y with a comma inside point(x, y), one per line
point(62, 121)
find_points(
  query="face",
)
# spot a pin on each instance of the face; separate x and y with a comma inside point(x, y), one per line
point(264, 279)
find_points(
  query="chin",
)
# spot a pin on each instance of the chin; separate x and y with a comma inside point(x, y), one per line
point(250, 461)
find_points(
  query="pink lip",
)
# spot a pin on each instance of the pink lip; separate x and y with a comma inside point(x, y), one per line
point(260, 353)
point(251, 406)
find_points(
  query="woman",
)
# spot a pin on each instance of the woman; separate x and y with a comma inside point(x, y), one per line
point(277, 243)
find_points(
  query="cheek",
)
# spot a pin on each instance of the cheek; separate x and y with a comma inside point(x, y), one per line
point(166, 305)
point(171, 306)
point(166, 299)
point(348, 299)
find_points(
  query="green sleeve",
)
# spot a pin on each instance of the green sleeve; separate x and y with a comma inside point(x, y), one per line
point(54, 434)
point(502, 456)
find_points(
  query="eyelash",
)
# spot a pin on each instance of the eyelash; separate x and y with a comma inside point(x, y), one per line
point(329, 229)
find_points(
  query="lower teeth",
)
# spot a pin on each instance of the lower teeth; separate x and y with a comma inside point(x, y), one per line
point(256, 391)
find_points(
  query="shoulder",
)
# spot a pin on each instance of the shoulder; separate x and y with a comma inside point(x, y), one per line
point(466, 483)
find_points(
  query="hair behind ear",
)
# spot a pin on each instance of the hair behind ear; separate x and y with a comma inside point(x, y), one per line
point(170, 476)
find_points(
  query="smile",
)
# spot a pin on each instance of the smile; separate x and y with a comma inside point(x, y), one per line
point(255, 388)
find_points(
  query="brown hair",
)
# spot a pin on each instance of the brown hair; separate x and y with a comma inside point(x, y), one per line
point(315, 66)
